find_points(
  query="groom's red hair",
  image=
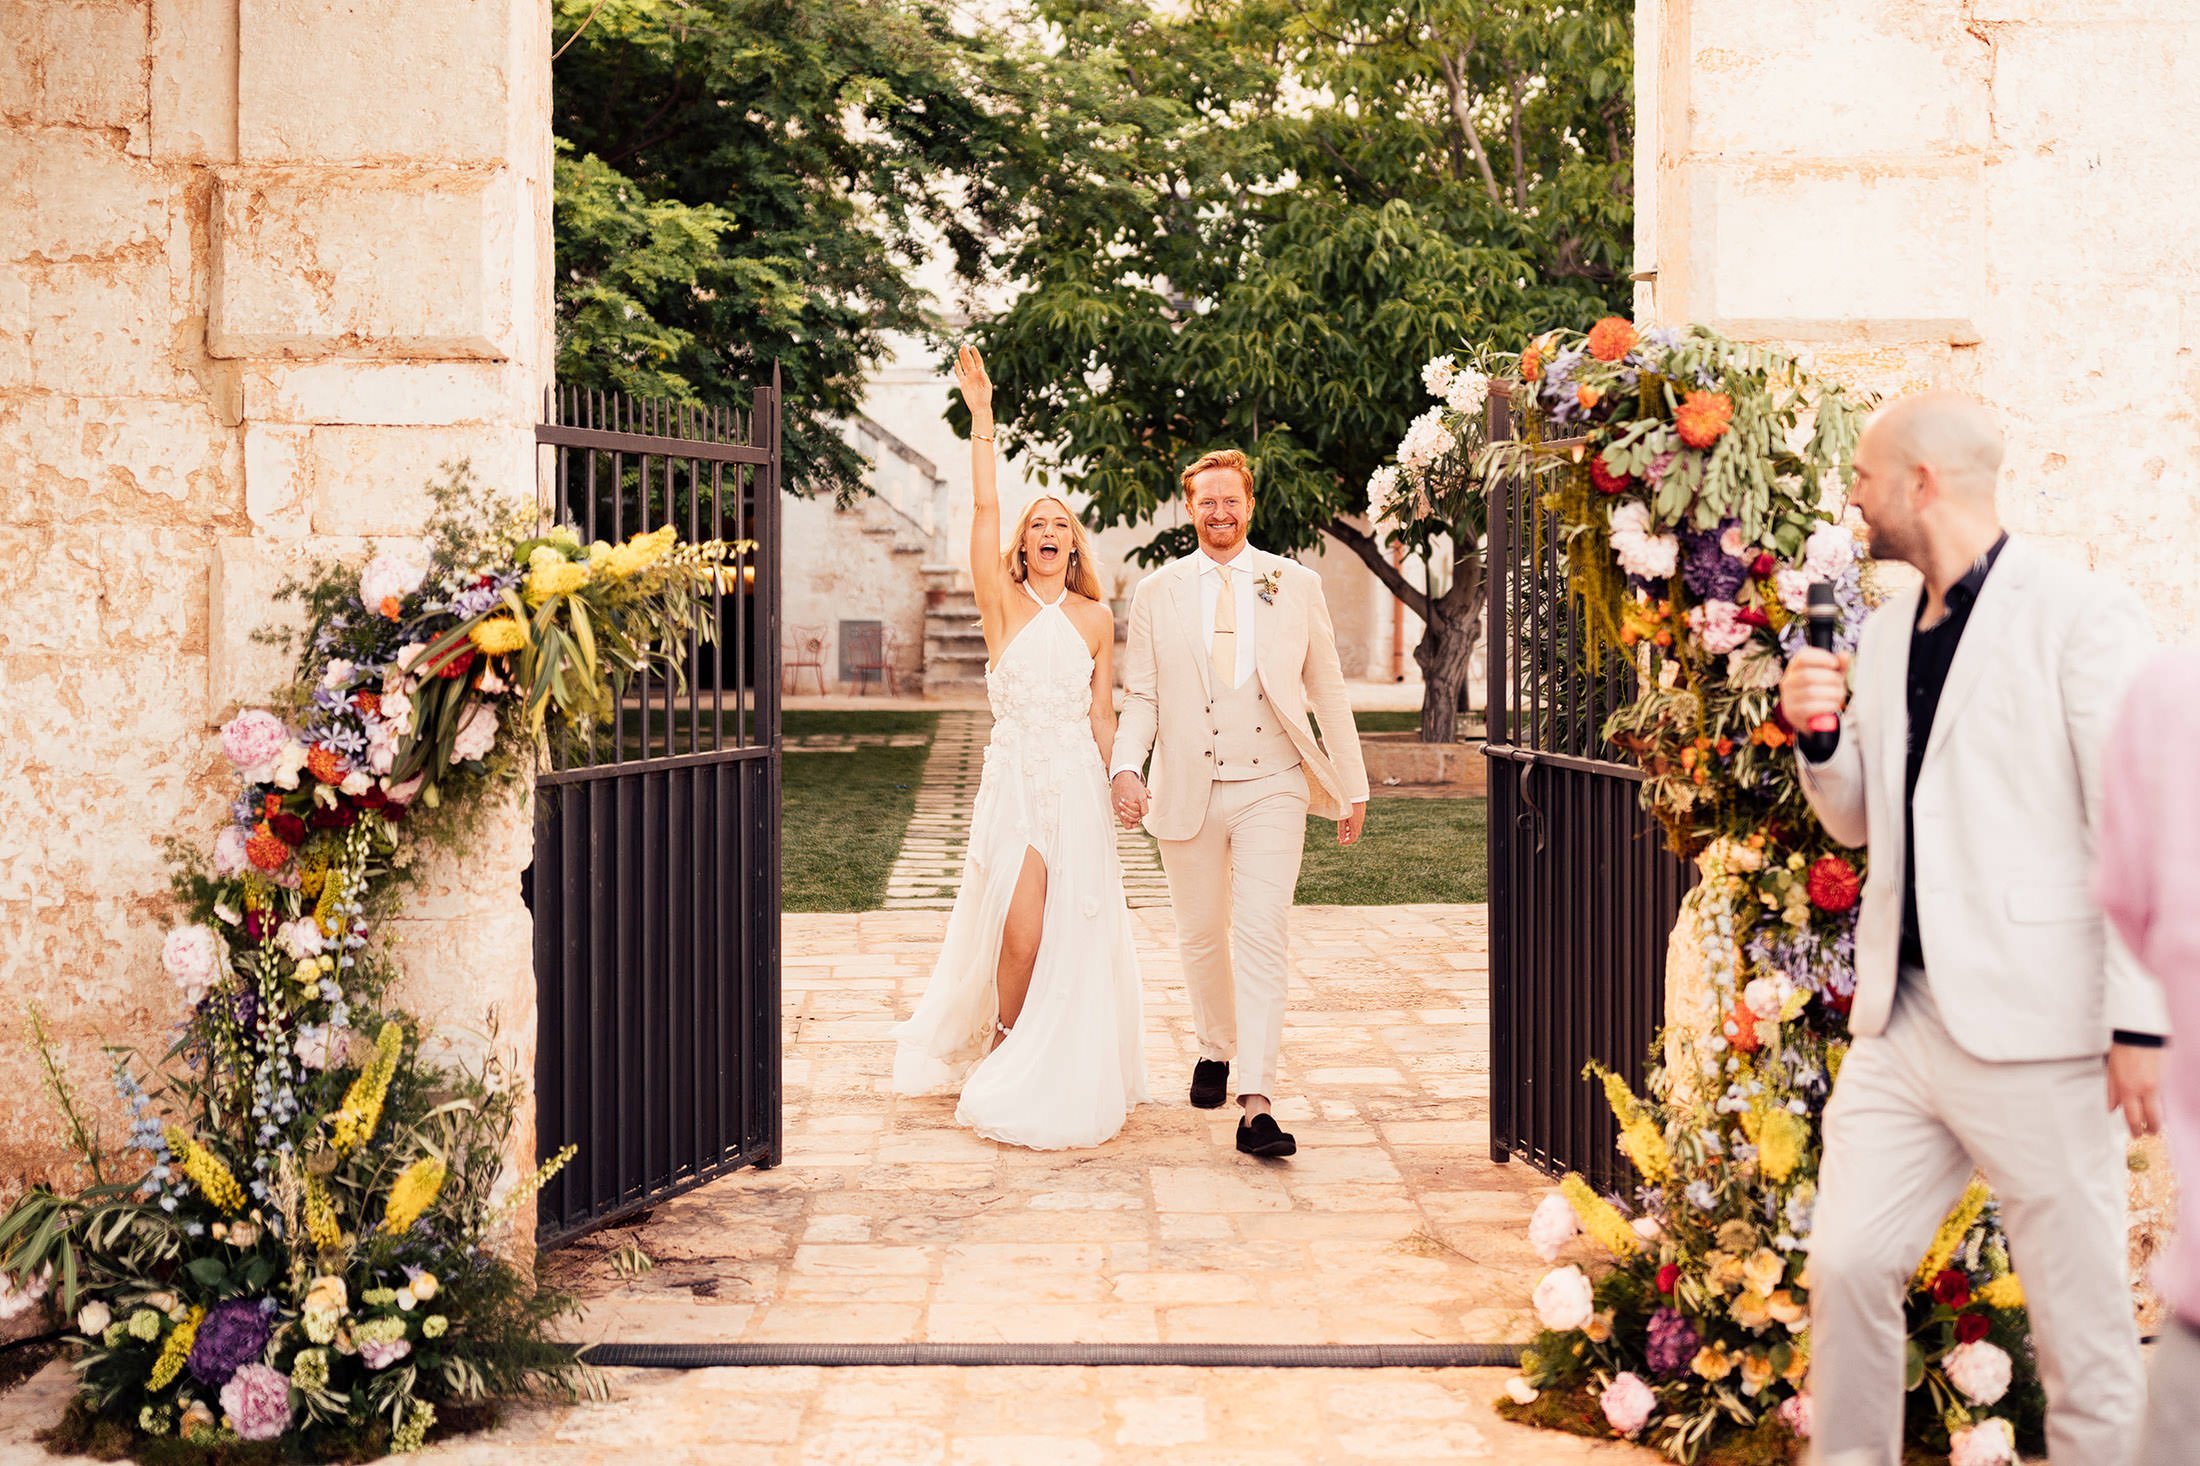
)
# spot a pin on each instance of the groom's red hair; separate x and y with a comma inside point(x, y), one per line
point(1218, 458)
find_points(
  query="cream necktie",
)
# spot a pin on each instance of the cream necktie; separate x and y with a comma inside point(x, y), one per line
point(1222, 652)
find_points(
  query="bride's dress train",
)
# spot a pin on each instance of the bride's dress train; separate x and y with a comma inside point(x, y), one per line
point(1074, 1063)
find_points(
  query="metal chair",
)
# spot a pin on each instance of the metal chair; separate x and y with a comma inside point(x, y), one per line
point(864, 655)
point(806, 648)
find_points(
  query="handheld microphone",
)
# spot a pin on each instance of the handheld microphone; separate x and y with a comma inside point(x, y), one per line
point(1819, 740)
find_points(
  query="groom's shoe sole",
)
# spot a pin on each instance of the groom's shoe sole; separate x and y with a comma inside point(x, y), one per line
point(1210, 1097)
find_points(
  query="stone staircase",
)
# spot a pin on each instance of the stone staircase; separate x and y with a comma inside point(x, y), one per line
point(954, 647)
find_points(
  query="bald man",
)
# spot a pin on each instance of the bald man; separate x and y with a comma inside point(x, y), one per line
point(1997, 1024)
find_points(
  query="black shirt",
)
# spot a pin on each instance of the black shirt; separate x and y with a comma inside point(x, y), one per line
point(1932, 652)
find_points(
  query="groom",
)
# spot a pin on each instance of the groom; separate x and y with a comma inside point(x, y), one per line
point(1229, 650)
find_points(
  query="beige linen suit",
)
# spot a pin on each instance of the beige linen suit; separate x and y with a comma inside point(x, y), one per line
point(1234, 773)
point(1994, 1055)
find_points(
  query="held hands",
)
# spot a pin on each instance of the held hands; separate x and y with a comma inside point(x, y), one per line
point(1128, 792)
point(2134, 1086)
point(977, 388)
point(1814, 690)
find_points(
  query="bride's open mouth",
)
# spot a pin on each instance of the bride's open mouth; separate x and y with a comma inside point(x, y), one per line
point(1048, 554)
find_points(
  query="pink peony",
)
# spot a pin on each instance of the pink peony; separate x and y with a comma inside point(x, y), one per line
point(320, 1045)
point(1988, 1443)
point(1563, 1300)
point(477, 734)
point(301, 938)
point(1552, 1226)
point(382, 1353)
point(229, 856)
point(392, 575)
point(257, 1402)
point(1718, 626)
point(1795, 1415)
point(192, 958)
point(1831, 550)
point(1980, 1370)
point(254, 741)
point(1628, 1403)
point(1732, 544)
point(1793, 588)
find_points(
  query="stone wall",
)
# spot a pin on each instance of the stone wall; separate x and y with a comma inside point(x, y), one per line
point(1995, 195)
point(266, 266)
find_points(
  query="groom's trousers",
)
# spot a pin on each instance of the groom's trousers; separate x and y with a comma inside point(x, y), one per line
point(1231, 886)
point(1911, 1115)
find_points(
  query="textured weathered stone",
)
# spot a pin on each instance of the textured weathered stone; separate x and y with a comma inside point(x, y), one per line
point(194, 84)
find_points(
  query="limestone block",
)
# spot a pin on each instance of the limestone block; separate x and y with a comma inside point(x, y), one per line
point(247, 571)
point(387, 394)
point(388, 81)
point(2098, 87)
point(99, 591)
point(94, 61)
point(67, 459)
point(1846, 243)
point(1847, 79)
point(278, 481)
point(194, 85)
point(104, 329)
point(15, 335)
point(2064, 219)
point(81, 196)
point(19, 53)
point(375, 481)
point(393, 264)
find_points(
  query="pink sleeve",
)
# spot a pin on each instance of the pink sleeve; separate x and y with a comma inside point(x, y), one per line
point(2124, 869)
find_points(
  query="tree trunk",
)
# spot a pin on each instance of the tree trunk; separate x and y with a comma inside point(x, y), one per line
point(1454, 629)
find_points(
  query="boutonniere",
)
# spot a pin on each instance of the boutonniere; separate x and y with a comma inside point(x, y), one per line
point(1268, 583)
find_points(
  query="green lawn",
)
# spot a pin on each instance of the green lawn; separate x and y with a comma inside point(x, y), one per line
point(1415, 850)
point(844, 813)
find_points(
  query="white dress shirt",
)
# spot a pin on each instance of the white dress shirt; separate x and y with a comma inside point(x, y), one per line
point(1244, 568)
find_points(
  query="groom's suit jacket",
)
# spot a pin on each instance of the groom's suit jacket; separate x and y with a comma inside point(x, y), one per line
point(1167, 680)
point(2017, 955)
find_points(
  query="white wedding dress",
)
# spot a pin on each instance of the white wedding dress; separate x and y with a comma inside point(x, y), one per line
point(1074, 1063)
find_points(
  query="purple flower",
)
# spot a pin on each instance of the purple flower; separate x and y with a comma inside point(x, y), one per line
point(1672, 1342)
point(1709, 572)
point(230, 1336)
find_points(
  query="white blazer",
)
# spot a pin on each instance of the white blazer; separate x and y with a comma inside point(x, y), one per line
point(2021, 964)
point(1166, 692)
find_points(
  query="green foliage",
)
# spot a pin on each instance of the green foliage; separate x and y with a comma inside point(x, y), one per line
point(1250, 224)
point(750, 184)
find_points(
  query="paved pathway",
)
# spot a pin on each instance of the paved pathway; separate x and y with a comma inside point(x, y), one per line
point(929, 868)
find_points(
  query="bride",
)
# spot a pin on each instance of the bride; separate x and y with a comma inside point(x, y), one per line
point(1033, 1006)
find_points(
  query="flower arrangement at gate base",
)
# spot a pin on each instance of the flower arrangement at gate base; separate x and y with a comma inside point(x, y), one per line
point(300, 1242)
point(1686, 478)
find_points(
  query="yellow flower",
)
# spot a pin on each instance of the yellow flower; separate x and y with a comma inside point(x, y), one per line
point(1785, 1310)
point(1723, 1271)
point(1764, 1269)
point(1643, 1143)
point(536, 1179)
point(1598, 1328)
point(1781, 1137)
point(321, 1223)
point(550, 574)
point(173, 1353)
point(1737, 1236)
point(1757, 1372)
point(498, 636)
point(1712, 1363)
point(1798, 1364)
point(1599, 1218)
point(1951, 1234)
point(412, 1193)
point(352, 1125)
point(1748, 1310)
point(2003, 1292)
point(206, 1170)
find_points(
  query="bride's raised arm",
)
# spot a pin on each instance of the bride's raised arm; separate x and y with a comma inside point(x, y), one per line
point(988, 574)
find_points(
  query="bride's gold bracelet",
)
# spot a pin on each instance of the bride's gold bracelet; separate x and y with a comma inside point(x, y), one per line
point(983, 437)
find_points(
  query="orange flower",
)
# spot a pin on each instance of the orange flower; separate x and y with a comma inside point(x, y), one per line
point(1744, 1038)
point(1612, 338)
point(271, 804)
point(369, 702)
point(391, 607)
point(326, 764)
point(1587, 396)
point(1531, 364)
point(1703, 417)
point(266, 849)
point(1770, 734)
point(1726, 748)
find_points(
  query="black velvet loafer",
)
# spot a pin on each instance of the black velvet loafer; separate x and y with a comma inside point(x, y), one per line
point(1261, 1136)
point(1210, 1083)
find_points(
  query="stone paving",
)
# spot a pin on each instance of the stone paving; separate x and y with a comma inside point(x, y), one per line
point(888, 1224)
point(929, 868)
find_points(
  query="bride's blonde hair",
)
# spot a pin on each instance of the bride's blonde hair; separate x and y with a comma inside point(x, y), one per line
point(1081, 578)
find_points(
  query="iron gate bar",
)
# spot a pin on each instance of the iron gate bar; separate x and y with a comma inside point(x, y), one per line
point(1197, 1356)
point(657, 856)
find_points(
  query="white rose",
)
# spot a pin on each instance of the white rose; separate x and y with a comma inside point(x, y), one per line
point(1563, 1300)
point(1519, 1391)
point(338, 673)
point(395, 573)
point(356, 783)
point(92, 1319)
point(301, 938)
point(1552, 1227)
point(397, 713)
point(1988, 1443)
point(1764, 997)
point(289, 764)
point(476, 735)
point(1647, 1228)
point(1980, 1370)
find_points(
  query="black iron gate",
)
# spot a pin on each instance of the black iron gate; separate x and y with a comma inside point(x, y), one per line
point(656, 875)
point(1582, 890)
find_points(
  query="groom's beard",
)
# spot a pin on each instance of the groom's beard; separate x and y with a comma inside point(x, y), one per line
point(1216, 546)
